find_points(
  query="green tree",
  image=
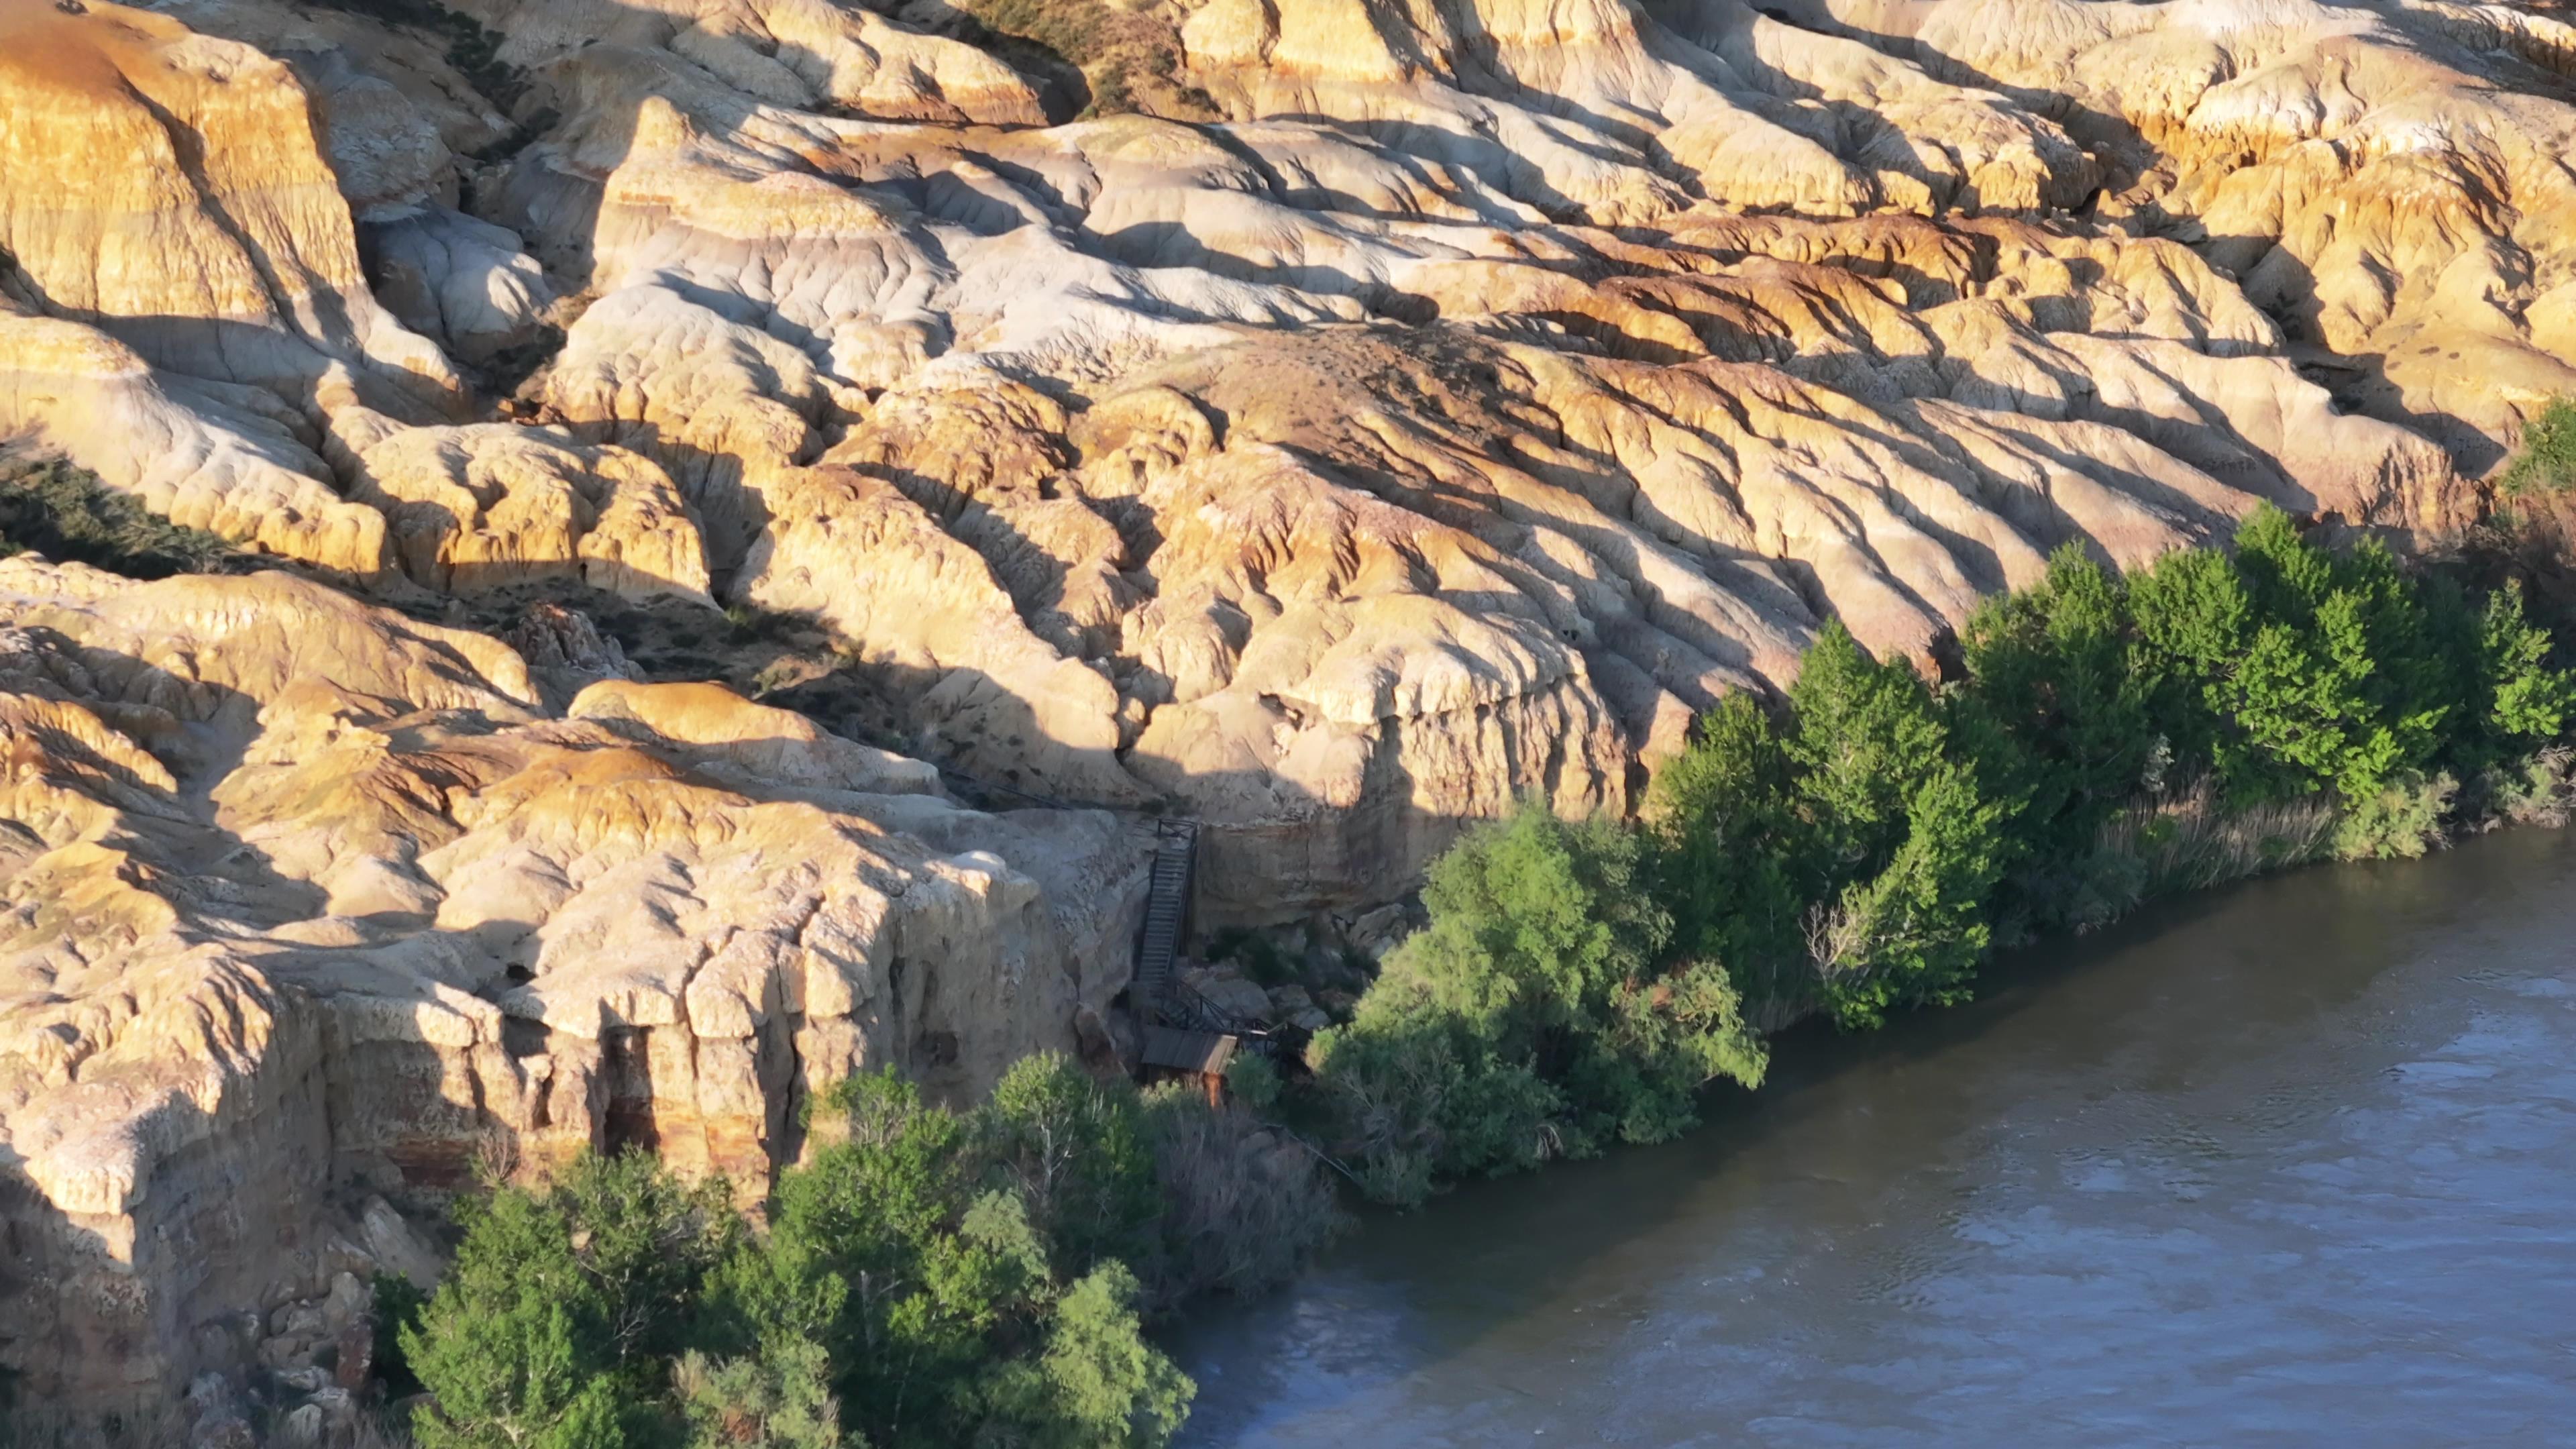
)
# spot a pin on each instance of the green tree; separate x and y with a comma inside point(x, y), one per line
point(1534, 1017)
point(2519, 701)
point(1866, 737)
point(1913, 843)
point(1914, 931)
point(2194, 621)
point(2058, 716)
point(779, 1398)
point(514, 1346)
point(647, 1240)
point(1075, 1148)
point(866, 1254)
point(1732, 858)
point(909, 1248)
point(2348, 691)
point(1097, 1384)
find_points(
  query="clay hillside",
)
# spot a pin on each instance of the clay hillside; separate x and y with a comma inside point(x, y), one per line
point(738, 516)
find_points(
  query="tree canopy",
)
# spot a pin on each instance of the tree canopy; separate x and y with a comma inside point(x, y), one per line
point(929, 1278)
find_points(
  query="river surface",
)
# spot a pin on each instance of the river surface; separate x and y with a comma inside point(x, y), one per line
point(2293, 1163)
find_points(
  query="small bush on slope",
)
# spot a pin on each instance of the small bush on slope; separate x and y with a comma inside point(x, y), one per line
point(2547, 462)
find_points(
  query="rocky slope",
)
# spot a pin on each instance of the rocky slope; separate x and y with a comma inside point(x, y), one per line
point(1328, 419)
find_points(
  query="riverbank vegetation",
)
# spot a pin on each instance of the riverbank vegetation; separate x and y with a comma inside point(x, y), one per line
point(1862, 848)
point(927, 1278)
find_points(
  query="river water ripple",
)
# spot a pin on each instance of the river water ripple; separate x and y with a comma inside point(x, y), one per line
point(2292, 1164)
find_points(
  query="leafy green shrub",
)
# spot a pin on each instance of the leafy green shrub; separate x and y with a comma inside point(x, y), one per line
point(1253, 1081)
point(67, 515)
point(777, 1398)
point(928, 1278)
point(2410, 816)
point(1534, 1017)
point(1096, 1382)
point(2547, 462)
point(2400, 821)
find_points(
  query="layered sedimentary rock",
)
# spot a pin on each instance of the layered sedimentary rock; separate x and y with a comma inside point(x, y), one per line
point(303, 898)
point(1488, 389)
point(2388, 178)
point(1341, 421)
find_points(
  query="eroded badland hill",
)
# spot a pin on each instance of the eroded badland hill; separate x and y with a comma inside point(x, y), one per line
point(1328, 420)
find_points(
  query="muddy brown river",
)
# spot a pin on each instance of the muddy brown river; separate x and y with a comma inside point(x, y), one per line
point(2290, 1164)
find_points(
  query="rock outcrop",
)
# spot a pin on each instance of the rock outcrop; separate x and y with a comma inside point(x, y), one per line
point(1479, 396)
point(303, 898)
point(1328, 419)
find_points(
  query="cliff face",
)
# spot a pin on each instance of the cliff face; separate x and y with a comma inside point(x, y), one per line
point(307, 899)
point(1327, 419)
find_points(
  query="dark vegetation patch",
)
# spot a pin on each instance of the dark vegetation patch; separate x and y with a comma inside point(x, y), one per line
point(66, 514)
point(472, 48)
point(1105, 61)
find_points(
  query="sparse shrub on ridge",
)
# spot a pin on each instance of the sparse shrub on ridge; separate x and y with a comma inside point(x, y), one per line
point(1130, 60)
point(2547, 460)
point(67, 515)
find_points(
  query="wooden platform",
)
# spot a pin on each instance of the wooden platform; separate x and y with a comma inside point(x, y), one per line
point(1198, 1053)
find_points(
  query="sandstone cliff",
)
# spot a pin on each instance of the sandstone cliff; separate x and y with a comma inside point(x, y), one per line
point(1460, 397)
point(1327, 419)
point(304, 898)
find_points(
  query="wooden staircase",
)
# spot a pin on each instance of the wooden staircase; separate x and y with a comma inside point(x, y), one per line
point(1167, 918)
point(1184, 1030)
